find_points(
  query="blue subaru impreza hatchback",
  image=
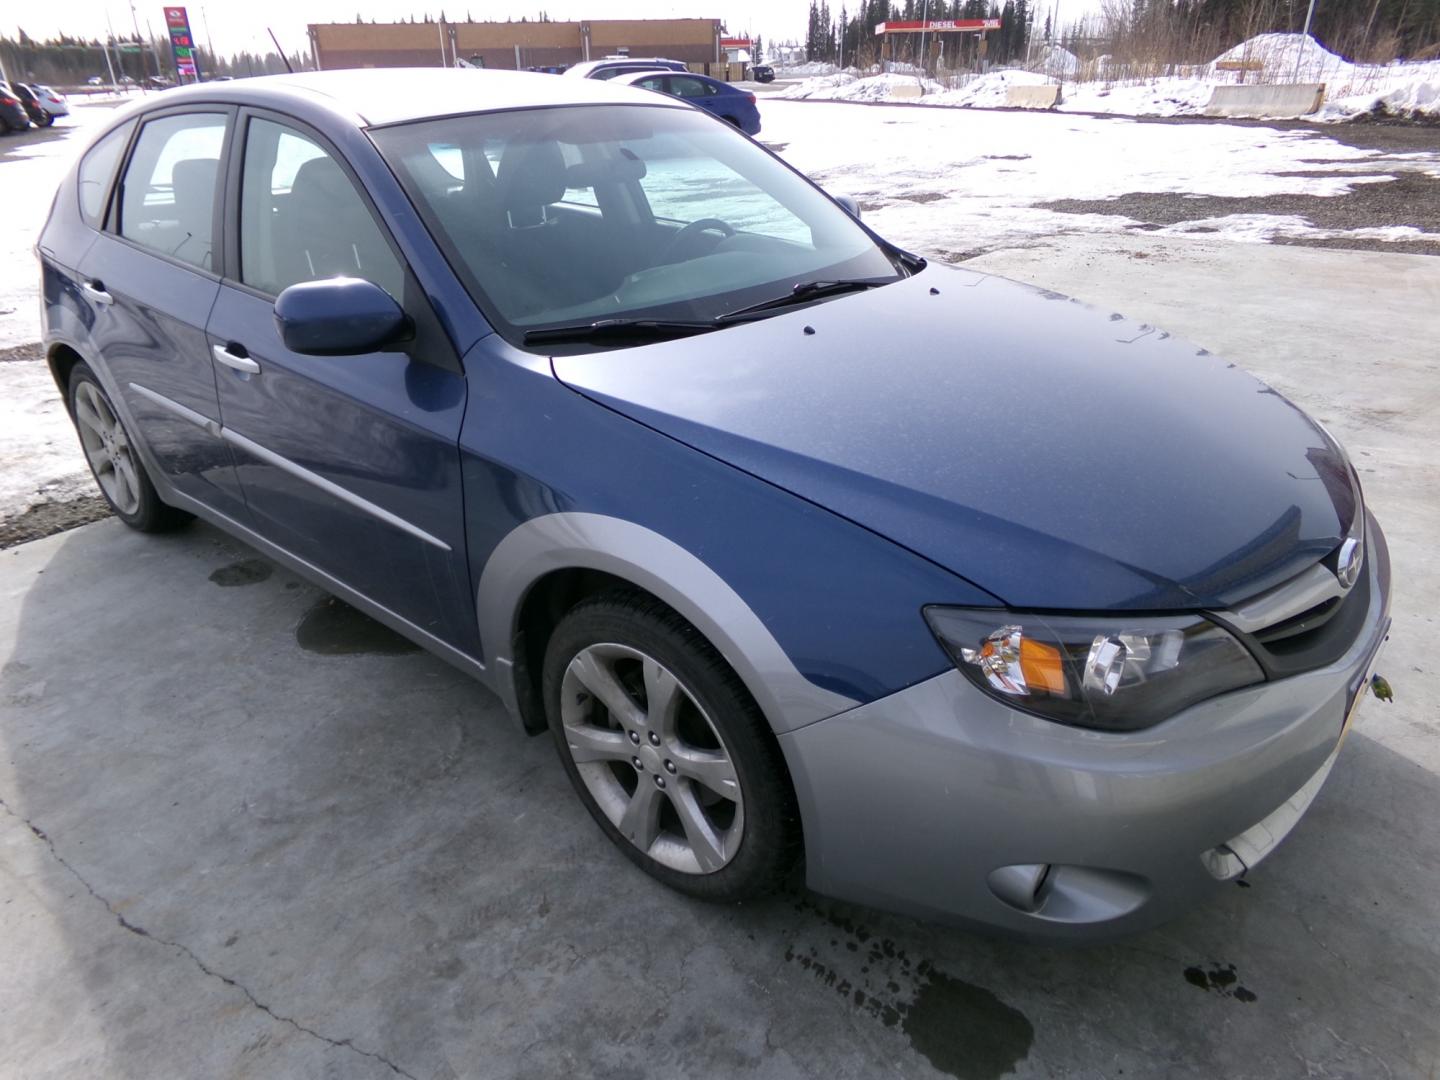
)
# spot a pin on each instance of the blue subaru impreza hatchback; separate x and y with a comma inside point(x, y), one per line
point(986, 606)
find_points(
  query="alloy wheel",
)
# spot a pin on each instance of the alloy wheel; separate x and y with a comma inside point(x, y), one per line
point(651, 758)
point(107, 448)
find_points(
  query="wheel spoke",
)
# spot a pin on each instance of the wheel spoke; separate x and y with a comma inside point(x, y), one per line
point(102, 407)
point(663, 696)
point(126, 490)
point(599, 679)
point(708, 847)
point(640, 824)
point(99, 459)
point(590, 743)
point(86, 414)
point(711, 770)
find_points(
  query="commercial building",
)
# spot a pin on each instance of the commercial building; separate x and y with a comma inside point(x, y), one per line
point(514, 45)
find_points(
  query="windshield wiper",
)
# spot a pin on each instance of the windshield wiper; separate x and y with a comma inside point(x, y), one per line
point(619, 329)
point(803, 293)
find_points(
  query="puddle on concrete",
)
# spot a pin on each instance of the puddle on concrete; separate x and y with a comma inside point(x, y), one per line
point(244, 572)
point(332, 627)
point(1221, 980)
point(963, 1030)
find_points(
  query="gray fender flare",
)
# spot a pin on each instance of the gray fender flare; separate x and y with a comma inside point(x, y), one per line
point(662, 567)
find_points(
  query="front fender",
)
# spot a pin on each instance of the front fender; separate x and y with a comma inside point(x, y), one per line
point(665, 569)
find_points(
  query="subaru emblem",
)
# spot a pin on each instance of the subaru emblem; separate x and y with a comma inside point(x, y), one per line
point(1352, 557)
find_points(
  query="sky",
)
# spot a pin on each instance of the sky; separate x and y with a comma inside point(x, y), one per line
point(231, 26)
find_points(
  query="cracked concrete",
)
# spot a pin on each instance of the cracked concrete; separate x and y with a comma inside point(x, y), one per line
point(226, 856)
point(139, 931)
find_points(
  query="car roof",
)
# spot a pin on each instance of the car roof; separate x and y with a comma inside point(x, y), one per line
point(368, 96)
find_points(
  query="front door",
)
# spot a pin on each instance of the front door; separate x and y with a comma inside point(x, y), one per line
point(151, 279)
point(349, 462)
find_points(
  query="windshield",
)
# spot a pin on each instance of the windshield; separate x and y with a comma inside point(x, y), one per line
point(567, 215)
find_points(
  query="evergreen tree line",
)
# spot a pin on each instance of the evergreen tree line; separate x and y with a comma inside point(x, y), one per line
point(72, 61)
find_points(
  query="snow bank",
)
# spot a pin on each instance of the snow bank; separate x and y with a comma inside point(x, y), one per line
point(1399, 89)
point(988, 90)
point(847, 86)
point(805, 71)
point(1056, 60)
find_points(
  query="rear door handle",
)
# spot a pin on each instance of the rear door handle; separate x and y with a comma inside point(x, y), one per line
point(96, 292)
point(234, 356)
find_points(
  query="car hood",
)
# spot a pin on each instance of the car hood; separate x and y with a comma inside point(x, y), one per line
point(1055, 455)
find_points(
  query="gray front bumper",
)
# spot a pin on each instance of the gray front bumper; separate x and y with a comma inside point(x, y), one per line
point(912, 802)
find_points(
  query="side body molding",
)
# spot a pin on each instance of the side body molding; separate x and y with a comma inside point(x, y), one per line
point(653, 562)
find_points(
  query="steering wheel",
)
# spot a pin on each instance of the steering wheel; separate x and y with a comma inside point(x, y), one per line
point(689, 232)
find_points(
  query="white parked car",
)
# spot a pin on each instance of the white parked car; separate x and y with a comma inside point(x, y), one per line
point(51, 100)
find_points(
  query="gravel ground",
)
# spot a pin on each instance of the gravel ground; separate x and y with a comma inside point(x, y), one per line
point(48, 518)
point(1412, 198)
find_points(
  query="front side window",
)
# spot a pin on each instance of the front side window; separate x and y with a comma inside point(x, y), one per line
point(97, 167)
point(302, 219)
point(167, 196)
point(581, 213)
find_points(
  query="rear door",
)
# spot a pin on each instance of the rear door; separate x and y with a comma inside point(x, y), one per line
point(694, 91)
point(349, 462)
point(150, 280)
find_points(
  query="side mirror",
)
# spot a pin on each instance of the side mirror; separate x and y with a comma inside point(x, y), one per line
point(850, 205)
point(338, 317)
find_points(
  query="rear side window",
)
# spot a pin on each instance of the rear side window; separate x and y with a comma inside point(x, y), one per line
point(686, 87)
point(301, 217)
point(97, 168)
point(167, 198)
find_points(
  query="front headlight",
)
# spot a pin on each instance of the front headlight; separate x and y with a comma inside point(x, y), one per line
point(1115, 674)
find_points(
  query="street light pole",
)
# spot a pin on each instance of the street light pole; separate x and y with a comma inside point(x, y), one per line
point(1300, 45)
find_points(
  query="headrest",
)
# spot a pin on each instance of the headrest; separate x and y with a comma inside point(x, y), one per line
point(531, 175)
point(321, 184)
point(193, 183)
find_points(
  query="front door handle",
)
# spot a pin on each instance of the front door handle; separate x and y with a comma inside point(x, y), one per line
point(234, 356)
point(96, 292)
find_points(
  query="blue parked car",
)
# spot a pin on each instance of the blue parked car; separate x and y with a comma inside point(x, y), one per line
point(719, 98)
point(986, 605)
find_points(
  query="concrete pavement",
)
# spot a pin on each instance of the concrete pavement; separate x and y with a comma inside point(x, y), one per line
point(246, 835)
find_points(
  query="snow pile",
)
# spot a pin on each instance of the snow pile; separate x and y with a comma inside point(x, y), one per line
point(806, 71)
point(1399, 89)
point(1279, 54)
point(1058, 61)
point(1151, 97)
point(988, 90)
point(846, 86)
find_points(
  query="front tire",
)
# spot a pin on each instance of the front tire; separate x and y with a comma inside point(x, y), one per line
point(668, 751)
point(114, 461)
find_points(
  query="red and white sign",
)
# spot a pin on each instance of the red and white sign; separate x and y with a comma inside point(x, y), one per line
point(918, 26)
point(735, 43)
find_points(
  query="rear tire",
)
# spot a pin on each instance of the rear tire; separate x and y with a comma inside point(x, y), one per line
point(668, 751)
point(114, 462)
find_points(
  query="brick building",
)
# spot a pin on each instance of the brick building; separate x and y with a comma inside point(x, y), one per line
point(512, 44)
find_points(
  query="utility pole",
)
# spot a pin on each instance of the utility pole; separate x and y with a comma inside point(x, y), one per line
point(1300, 45)
point(209, 42)
point(139, 45)
point(924, 60)
point(108, 64)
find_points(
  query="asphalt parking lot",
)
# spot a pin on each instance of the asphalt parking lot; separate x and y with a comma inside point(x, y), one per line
point(245, 834)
